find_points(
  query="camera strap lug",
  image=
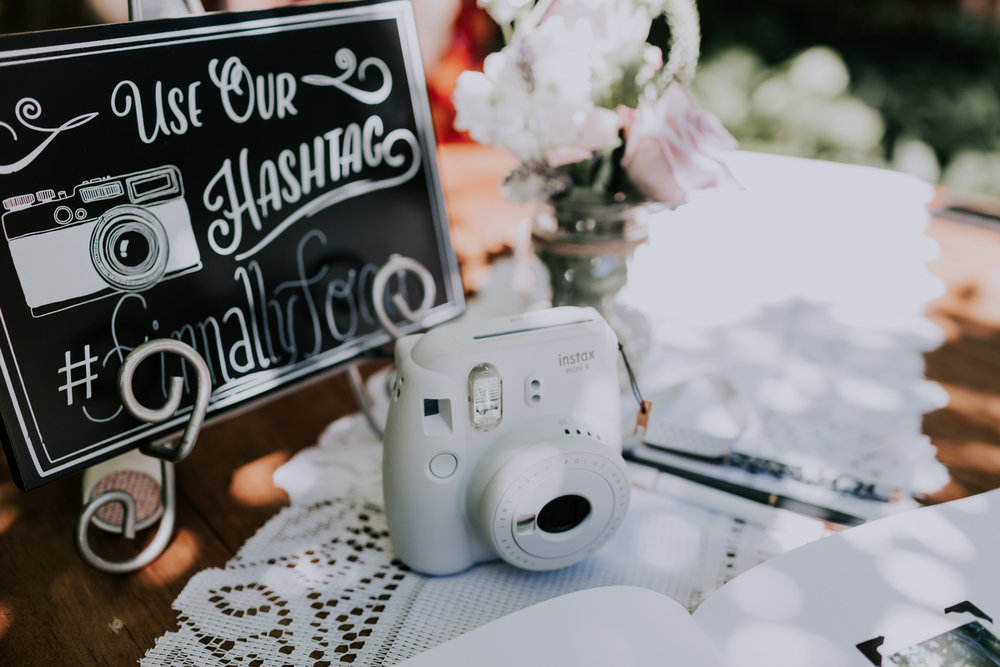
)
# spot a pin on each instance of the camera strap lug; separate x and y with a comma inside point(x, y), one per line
point(642, 416)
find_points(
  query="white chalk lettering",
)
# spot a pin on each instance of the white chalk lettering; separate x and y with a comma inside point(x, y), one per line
point(242, 93)
point(171, 119)
point(246, 195)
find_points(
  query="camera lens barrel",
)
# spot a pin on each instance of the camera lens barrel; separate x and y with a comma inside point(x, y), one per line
point(553, 503)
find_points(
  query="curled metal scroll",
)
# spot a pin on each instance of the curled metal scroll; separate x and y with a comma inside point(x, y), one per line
point(203, 383)
point(153, 550)
point(397, 264)
point(380, 283)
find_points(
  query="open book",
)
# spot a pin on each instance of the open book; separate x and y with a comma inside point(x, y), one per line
point(917, 588)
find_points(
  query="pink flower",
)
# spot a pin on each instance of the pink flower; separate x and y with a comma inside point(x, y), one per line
point(673, 148)
point(594, 130)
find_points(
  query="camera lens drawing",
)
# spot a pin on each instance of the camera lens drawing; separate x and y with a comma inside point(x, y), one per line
point(111, 235)
point(129, 248)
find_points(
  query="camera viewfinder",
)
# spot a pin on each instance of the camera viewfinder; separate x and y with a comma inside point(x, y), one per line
point(485, 396)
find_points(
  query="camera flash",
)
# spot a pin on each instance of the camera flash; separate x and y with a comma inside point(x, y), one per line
point(485, 396)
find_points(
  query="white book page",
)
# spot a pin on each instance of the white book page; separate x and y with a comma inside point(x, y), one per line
point(616, 625)
point(892, 578)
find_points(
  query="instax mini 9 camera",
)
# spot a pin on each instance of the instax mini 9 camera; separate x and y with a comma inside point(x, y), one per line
point(503, 440)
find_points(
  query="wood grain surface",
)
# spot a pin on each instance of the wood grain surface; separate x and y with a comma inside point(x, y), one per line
point(966, 432)
point(55, 610)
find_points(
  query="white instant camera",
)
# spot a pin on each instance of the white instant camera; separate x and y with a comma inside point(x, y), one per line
point(503, 440)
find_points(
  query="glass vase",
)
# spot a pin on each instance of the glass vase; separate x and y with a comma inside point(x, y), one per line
point(586, 250)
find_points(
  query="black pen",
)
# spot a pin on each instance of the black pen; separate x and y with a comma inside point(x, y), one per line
point(756, 495)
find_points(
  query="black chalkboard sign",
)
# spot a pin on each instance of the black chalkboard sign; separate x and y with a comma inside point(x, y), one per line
point(233, 181)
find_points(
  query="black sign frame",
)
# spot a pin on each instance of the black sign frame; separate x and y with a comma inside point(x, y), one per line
point(265, 164)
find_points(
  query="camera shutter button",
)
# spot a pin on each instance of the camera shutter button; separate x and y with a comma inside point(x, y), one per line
point(443, 465)
point(62, 215)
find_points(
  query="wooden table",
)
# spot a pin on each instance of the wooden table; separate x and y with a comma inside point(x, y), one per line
point(54, 610)
point(967, 431)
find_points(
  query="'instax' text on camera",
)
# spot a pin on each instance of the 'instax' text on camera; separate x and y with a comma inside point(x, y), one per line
point(576, 362)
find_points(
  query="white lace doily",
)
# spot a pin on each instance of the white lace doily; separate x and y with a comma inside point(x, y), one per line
point(319, 585)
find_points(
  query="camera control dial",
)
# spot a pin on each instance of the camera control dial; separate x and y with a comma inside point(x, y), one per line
point(18, 201)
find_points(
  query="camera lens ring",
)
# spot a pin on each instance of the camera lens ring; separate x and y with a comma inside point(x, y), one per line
point(115, 229)
point(511, 500)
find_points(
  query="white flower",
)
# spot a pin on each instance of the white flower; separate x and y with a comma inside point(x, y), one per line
point(534, 97)
point(593, 131)
point(618, 45)
point(505, 11)
point(653, 8)
point(577, 74)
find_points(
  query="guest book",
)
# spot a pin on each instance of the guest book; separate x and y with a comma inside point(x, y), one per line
point(916, 588)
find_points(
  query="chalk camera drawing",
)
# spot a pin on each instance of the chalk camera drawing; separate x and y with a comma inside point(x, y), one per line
point(111, 235)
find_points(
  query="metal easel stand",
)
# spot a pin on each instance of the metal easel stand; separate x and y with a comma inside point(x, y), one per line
point(167, 456)
point(396, 266)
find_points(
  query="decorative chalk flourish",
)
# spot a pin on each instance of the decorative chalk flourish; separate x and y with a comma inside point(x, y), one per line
point(27, 110)
point(347, 61)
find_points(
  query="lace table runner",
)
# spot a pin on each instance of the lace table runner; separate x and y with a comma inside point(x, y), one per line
point(319, 585)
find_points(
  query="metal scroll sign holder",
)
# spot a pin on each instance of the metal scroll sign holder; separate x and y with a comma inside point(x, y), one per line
point(125, 508)
point(167, 455)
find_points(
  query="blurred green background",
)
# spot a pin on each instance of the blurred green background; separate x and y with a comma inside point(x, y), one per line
point(909, 84)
